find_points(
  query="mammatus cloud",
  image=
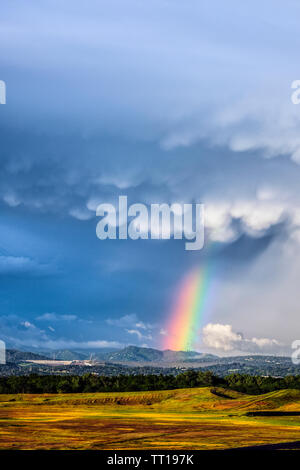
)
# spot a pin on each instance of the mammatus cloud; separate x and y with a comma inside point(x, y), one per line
point(177, 106)
point(198, 129)
point(250, 124)
point(223, 338)
point(255, 218)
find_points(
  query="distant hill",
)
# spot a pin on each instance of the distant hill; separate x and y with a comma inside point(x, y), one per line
point(68, 355)
point(171, 356)
point(78, 354)
point(137, 354)
point(128, 354)
point(13, 355)
point(81, 355)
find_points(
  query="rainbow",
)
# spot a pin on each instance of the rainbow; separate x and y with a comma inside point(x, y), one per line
point(182, 329)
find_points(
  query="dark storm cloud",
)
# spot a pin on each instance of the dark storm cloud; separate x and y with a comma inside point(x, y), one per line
point(164, 102)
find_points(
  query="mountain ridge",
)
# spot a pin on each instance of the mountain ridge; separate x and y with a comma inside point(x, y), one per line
point(142, 354)
point(129, 353)
point(14, 355)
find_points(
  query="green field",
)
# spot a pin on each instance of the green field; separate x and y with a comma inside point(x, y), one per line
point(198, 418)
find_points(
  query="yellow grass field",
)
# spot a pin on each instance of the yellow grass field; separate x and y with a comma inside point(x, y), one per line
point(178, 419)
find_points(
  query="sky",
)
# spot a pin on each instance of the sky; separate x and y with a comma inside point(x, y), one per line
point(163, 101)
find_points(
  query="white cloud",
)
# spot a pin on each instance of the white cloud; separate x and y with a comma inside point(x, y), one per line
point(19, 333)
point(141, 325)
point(260, 217)
point(256, 217)
point(250, 123)
point(69, 344)
point(262, 119)
point(163, 332)
point(126, 320)
point(222, 337)
point(133, 325)
point(55, 317)
point(267, 193)
point(27, 324)
point(130, 320)
point(15, 265)
point(139, 334)
point(11, 200)
point(81, 213)
point(217, 215)
point(223, 234)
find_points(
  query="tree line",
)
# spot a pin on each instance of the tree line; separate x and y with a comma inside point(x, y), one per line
point(91, 383)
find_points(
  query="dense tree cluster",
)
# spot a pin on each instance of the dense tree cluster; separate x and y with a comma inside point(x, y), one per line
point(90, 383)
point(258, 384)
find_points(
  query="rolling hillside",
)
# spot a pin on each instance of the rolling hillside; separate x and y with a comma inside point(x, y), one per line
point(199, 418)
